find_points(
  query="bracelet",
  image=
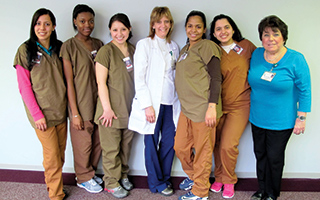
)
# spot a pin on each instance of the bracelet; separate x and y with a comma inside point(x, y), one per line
point(77, 115)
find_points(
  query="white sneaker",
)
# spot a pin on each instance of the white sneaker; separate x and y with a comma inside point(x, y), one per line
point(98, 179)
point(91, 186)
point(126, 184)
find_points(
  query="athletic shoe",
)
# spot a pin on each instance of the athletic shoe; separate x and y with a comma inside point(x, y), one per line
point(258, 195)
point(118, 192)
point(98, 179)
point(126, 184)
point(228, 191)
point(167, 192)
point(186, 184)
point(91, 186)
point(216, 187)
point(66, 194)
point(190, 196)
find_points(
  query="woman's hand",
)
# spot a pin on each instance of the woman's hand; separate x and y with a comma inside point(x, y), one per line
point(211, 115)
point(107, 117)
point(41, 124)
point(150, 114)
point(77, 122)
point(299, 126)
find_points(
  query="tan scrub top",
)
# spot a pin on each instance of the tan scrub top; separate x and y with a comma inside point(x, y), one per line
point(192, 79)
point(120, 83)
point(47, 84)
point(85, 84)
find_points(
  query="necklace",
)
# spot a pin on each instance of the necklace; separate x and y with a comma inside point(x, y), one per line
point(271, 60)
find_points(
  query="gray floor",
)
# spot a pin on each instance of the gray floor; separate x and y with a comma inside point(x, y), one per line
point(23, 191)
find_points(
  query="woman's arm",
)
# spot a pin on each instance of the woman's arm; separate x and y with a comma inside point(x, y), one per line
point(300, 125)
point(77, 121)
point(25, 88)
point(303, 85)
point(103, 91)
point(214, 72)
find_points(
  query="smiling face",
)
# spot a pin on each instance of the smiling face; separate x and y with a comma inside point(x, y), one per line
point(223, 32)
point(43, 29)
point(195, 29)
point(272, 40)
point(162, 27)
point(119, 32)
point(84, 23)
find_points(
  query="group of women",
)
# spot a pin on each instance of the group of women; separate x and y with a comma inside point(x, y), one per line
point(188, 103)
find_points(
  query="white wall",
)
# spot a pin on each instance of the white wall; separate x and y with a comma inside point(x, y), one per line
point(19, 146)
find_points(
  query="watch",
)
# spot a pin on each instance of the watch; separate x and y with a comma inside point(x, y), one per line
point(302, 118)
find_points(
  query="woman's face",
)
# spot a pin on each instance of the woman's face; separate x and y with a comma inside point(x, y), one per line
point(162, 27)
point(195, 29)
point(223, 32)
point(44, 28)
point(119, 32)
point(84, 23)
point(272, 40)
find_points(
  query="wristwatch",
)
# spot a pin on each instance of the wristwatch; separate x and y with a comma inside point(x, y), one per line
point(302, 118)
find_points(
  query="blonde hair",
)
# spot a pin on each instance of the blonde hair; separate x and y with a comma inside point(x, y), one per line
point(156, 15)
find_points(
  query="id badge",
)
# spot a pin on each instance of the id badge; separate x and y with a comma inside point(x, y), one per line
point(38, 59)
point(128, 63)
point(237, 49)
point(268, 76)
point(94, 54)
point(173, 61)
point(183, 56)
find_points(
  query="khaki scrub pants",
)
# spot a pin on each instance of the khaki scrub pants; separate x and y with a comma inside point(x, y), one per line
point(116, 147)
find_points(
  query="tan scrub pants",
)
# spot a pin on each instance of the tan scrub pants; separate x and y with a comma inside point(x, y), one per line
point(116, 147)
point(53, 142)
point(194, 145)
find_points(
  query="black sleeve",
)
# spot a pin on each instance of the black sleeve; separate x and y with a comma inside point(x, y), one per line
point(215, 79)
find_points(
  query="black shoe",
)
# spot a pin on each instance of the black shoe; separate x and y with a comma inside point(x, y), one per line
point(66, 194)
point(258, 195)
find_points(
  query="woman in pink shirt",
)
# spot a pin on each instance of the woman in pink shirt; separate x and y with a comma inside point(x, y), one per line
point(41, 85)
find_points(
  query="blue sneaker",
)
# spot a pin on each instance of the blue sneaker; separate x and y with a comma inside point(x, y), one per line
point(186, 184)
point(191, 196)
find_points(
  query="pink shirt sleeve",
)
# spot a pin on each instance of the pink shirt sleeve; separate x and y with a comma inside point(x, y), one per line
point(25, 88)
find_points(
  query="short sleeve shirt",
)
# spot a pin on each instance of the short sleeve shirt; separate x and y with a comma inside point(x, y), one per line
point(47, 84)
point(120, 83)
point(234, 69)
point(85, 85)
point(192, 79)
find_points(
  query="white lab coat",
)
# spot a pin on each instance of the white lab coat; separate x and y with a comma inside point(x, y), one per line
point(149, 69)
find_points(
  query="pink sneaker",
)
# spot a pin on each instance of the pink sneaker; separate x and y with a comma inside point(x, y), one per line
point(216, 187)
point(228, 191)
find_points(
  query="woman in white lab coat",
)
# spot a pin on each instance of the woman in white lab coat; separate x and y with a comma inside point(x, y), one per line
point(155, 107)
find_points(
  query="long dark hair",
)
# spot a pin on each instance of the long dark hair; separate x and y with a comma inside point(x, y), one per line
point(203, 18)
point(237, 36)
point(123, 18)
point(31, 42)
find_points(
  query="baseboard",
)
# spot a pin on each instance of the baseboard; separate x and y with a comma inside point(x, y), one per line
point(244, 184)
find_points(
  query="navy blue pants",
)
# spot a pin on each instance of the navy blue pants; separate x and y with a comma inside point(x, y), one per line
point(159, 150)
point(269, 149)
